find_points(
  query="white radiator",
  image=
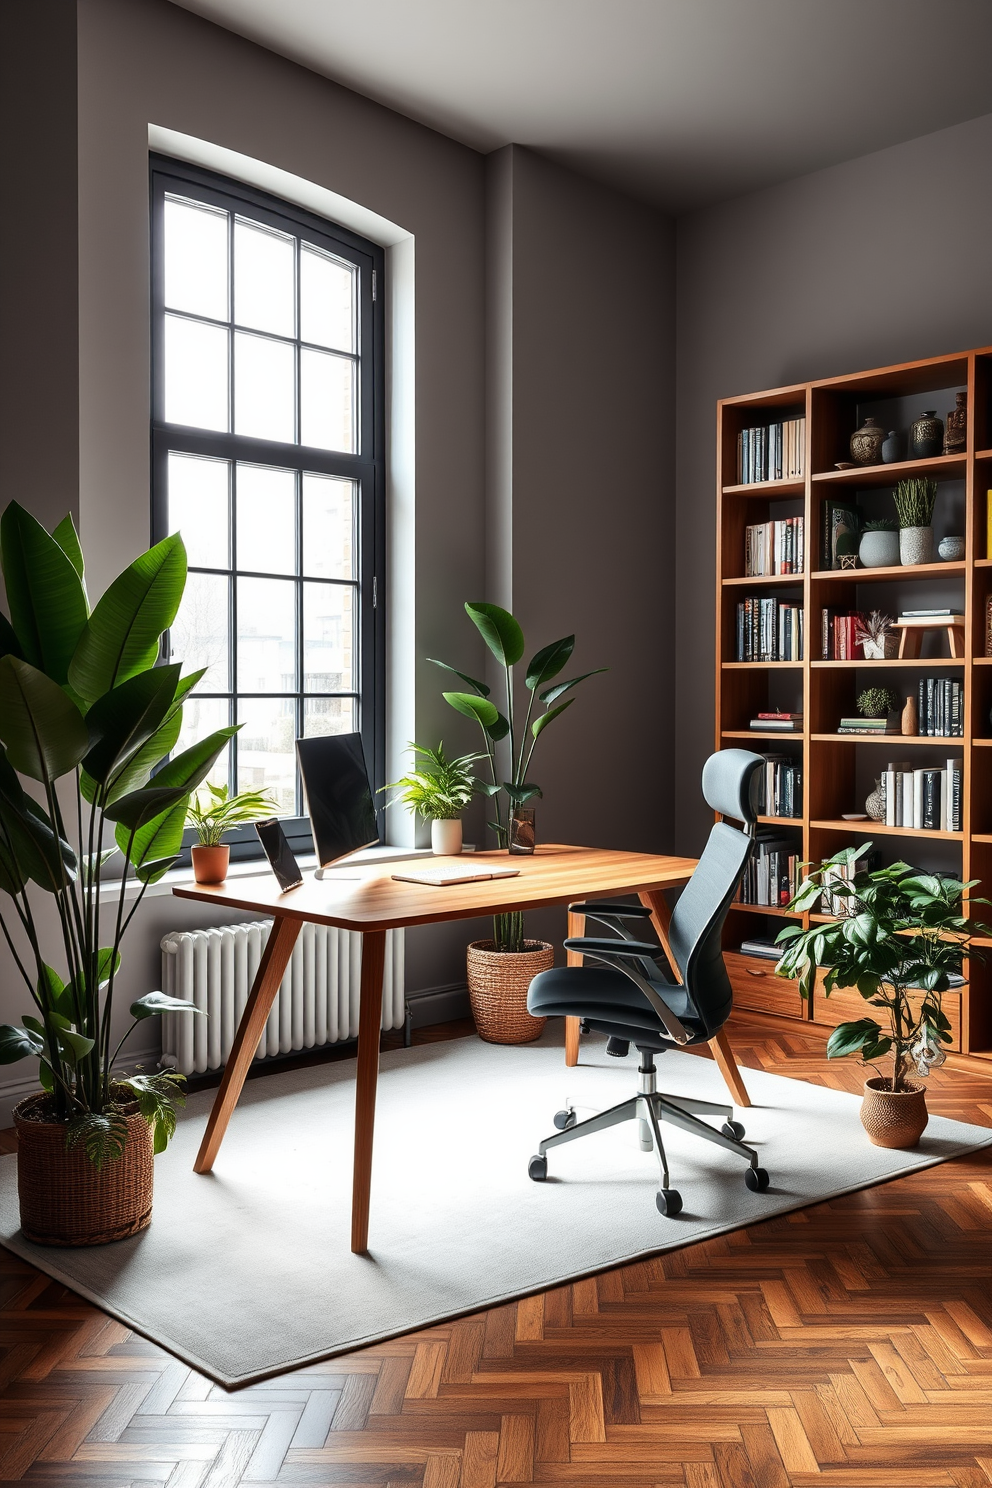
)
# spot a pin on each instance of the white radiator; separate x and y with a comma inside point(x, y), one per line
point(317, 1002)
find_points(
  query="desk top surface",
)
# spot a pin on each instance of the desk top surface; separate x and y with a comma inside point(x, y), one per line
point(369, 898)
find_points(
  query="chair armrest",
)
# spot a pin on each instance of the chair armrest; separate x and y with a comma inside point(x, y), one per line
point(612, 908)
point(613, 953)
point(590, 946)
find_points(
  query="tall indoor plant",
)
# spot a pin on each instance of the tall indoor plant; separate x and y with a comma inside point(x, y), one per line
point(901, 934)
point(87, 723)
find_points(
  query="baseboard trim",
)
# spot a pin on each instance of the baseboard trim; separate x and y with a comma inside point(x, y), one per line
point(438, 1005)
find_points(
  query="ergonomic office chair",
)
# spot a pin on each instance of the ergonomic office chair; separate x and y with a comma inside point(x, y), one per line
point(629, 998)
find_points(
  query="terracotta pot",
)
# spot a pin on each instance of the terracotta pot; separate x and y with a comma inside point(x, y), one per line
point(63, 1199)
point(894, 1120)
point(446, 837)
point(210, 864)
point(497, 988)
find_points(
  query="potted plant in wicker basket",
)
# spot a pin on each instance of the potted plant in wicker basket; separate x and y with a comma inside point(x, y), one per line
point(501, 970)
point(86, 717)
point(212, 812)
point(901, 935)
point(439, 792)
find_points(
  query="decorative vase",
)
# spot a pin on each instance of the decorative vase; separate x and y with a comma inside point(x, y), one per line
point(956, 427)
point(915, 546)
point(446, 837)
point(879, 549)
point(885, 648)
point(910, 722)
point(210, 864)
point(951, 549)
point(875, 804)
point(497, 989)
point(64, 1200)
point(891, 448)
point(894, 1119)
point(866, 443)
point(926, 437)
point(523, 830)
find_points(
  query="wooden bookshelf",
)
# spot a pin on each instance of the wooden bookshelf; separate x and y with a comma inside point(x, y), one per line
point(839, 769)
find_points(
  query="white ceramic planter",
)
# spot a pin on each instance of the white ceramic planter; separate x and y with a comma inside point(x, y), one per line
point(915, 545)
point(446, 837)
point(879, 549)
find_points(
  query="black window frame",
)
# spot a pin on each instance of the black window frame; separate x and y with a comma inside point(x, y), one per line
point(366, 467)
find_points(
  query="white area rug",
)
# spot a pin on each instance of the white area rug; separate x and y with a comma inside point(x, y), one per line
point(247, 1271)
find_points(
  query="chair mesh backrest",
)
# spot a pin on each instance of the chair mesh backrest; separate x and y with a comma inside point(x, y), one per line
point(697, 922)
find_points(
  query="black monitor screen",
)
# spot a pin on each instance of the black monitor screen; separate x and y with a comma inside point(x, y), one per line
point(339, 797)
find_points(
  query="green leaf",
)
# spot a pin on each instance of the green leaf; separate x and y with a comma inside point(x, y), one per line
point(103, 1136)
point(30, 849)
point(849, 1038)
point(42, 728)
point(9, 644)
point(125, 718)
point(158, 839)
point(499, 630)
point(471, 706)
point(161, 836)
point(18, 1043)
point(48, 607)
point(486, 788)
point(73, 1046)
point(157, 1096)
point(67, 537)
point(153, 1004)
point(540, 724)
point(122, 634)
point(521, 794)
point(149, 873)
point(480, 687)
point(552, 694)
point(548, 662)
point(142, 806)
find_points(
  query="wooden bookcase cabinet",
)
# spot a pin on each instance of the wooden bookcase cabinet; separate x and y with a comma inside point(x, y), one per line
point(840, 770)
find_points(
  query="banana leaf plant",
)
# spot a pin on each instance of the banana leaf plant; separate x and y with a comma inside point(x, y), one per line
point(505, 639)
point(88, 721)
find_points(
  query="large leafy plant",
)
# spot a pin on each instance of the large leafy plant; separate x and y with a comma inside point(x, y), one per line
point(509, 744)
point(87, 724)
point(900, 937)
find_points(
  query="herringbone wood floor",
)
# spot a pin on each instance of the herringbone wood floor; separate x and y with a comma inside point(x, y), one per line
point(849, 1344)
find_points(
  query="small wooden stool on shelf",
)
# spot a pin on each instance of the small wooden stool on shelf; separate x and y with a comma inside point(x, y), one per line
point(911, 635)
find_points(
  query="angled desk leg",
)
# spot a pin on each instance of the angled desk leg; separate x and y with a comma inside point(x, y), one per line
point(275, 959)
point(576, 927)
point(369, 1027)
point(720, 1048)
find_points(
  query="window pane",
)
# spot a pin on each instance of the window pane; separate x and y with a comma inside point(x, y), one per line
point(327, 401)
point(266, 635)
point(199, 508)
point(328, 716)
point(266, 519)
point(264, 279)
point(196, 259)
point(266, 748)
point(329, 509)
point(327, 300)
point(202, 716)
point(195, 374)
point(199, 633)
point(328, 638)
point(264, 399)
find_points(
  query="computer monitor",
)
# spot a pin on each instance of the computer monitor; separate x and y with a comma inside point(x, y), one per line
point(339, 797)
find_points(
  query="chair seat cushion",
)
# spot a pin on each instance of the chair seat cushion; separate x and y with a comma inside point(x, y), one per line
point(606, 997)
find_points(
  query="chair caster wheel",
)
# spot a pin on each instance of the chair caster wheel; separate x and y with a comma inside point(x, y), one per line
point(669, 1202)
point(756, 1179)
point(537, 1169)
point(733, 1129)
point(565, 1119)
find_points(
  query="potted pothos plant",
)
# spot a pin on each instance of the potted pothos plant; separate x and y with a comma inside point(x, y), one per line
point(900, 936)
point(88, 722)
point(212, 812)
point(500, 970)
point(438, 792)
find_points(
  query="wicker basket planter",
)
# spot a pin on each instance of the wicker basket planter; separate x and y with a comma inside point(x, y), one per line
point(63, 1199)
point(894, 1119)
point(497, 987)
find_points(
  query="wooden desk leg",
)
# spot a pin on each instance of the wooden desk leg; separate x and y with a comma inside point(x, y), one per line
point(661, 918)
point(275, 959)
point(369, 1027)
point(576, 927)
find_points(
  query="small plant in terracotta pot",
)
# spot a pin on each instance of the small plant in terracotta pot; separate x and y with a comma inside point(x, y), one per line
point(212, 812)
point(902, 936)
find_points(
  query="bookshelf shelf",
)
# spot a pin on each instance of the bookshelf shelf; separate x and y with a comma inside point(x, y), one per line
point(838, 772)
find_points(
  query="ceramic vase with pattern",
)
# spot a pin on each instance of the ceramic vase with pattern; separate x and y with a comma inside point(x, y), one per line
point(866, 443)
point(915, 545)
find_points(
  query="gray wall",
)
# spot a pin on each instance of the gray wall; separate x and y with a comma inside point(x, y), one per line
point(880, 260)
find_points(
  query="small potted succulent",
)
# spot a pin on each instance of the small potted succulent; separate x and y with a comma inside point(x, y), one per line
point(879, 546)
point(877, 702)
point(915, 500)
point(874, 632)
point(438, 792)
point(900, 938)
point(212, 812)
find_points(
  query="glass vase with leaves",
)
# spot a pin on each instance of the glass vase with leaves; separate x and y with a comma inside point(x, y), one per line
point(510, 742)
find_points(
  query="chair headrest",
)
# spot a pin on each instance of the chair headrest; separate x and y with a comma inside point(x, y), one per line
point(729, 777)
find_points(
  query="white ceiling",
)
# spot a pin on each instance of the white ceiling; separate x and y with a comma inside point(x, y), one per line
point(682, 102)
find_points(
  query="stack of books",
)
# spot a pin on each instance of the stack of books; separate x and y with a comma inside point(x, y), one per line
point(763, 949)
point(879, 726)
point(769, 630)
point(774, 547)
point(838, 636)
point(778, 723)
point(940, 706)
point(773, 872)
point(927, 800)
point(772, 452)
point(780, 787)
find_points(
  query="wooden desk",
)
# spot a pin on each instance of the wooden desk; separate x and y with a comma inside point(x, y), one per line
point(368, 900)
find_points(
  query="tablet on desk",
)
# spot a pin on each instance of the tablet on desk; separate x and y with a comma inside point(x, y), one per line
point(456, 873)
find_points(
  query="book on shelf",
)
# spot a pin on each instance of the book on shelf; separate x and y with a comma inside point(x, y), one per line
point(924, 800)
point(764, 949)
point(774, 547)
point(839, 635)
point(880, 726)
point(769, 629)
point(908, 615)
point(940, 707)
point(768, 452)
point(781, 716)
point(839, 518)
point(773, 873)
point(775, 726)
point(930, 618)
